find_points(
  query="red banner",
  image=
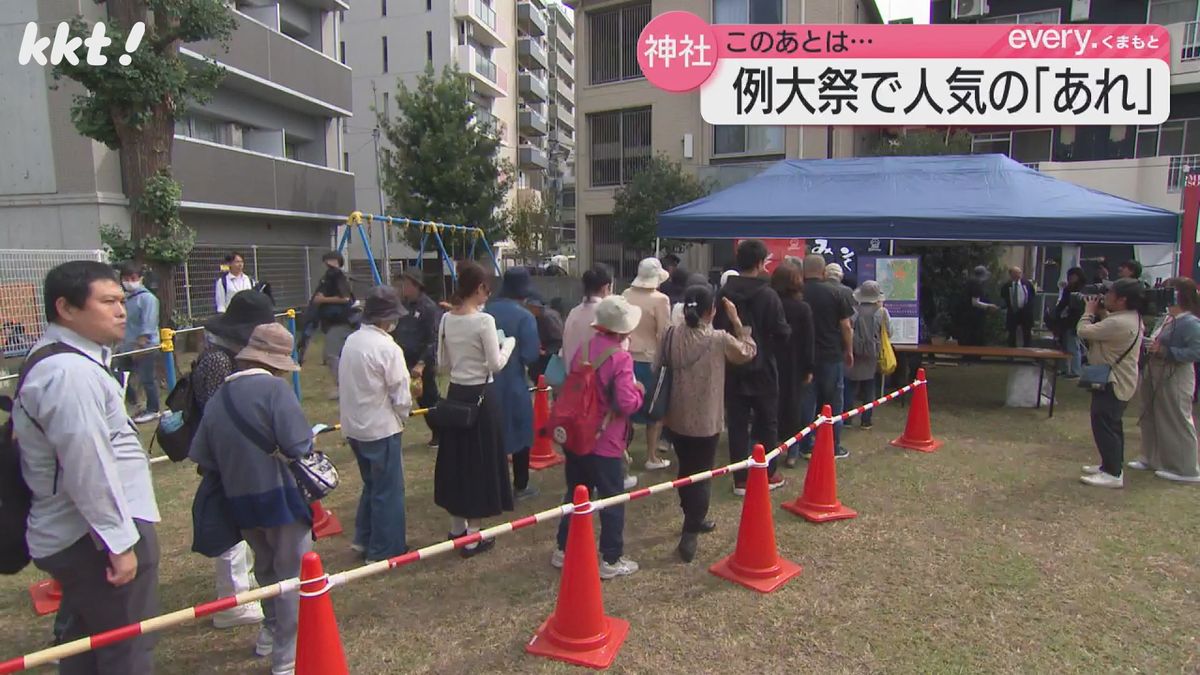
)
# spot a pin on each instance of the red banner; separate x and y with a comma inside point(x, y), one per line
point(1187, 235)
point(778, 249)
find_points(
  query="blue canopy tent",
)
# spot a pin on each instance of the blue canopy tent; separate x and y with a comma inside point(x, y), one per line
point(936, 198)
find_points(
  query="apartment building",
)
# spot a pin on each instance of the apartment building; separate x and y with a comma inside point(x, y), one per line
point(259, 164)
point(514, 55)
point(624, 120)
point(1145, 164)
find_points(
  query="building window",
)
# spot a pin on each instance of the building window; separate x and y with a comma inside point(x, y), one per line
point(290, 149)
point(207, 130)
point(568, 198)
point(747, 11)
point(1042, 16)
point(387, 109)
point(428, 5)
point(1027, 146)
point(1171, 11)
point(342, 52)
point(385, 59)
point(429, 46)
point(383, 7)
point(613, 42)
point(739, 139)
point(608, 249)
point(1172, 138)
point(620, 145)
point(345, 161)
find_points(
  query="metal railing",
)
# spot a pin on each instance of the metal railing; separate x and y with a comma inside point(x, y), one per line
point(1189, 48)
point(286, 268)
point(22, 274)
point(485, 67)
point(1177, 170)
point(484, 13)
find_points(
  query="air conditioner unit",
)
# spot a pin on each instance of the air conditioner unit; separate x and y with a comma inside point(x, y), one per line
point(968, 9)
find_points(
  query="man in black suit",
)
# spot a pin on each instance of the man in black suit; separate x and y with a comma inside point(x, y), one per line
point(1016, 296)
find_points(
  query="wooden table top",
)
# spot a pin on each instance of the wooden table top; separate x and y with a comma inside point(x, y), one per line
point(999, 352)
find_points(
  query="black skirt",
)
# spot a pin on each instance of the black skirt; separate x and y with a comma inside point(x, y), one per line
point(471, 476)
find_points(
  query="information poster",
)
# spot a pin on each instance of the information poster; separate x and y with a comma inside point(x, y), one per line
point(899, 278)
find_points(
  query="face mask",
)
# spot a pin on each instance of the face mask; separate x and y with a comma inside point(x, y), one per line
point(131, 286)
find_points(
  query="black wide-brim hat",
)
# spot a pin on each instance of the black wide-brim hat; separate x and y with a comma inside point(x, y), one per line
point(246, 310)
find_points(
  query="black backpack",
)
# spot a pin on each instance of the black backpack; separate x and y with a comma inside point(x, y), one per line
point(177, 442)
point(15, 496)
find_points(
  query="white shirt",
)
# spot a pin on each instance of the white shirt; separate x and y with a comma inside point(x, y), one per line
point(232, 286)
point(373, 386)
point(469, 346)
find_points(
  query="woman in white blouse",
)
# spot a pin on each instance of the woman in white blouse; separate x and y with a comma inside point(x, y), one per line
point(470, 477)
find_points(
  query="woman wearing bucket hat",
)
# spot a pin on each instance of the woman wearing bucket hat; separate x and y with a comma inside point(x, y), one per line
point(225, 336)
point(655, 319)
point(871, 318)
point(255, 406)
point(602, 469)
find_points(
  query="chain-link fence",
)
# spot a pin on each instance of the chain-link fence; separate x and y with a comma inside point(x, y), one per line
point(22, 272)
point(286, 268)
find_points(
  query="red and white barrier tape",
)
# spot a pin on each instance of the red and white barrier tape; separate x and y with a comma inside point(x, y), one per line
point(183, 616)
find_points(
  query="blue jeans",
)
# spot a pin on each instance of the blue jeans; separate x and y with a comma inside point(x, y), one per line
point(145, 366)
point(379, 525)
point(829, 389)
point(863, 391)
point(1071, 346)
point(808, 413)
point(607, 476)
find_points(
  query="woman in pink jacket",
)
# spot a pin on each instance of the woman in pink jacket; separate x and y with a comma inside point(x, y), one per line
point(602, 469)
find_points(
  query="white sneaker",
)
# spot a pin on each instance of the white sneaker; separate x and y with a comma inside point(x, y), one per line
point(358, 548)
point(557, 558)
point(1091, 469)
point(1104, 480)
point(631, 482)
point(265, 644)
point(1167, 475)
point(246, 615)
point(622, 568)
point(662, 463)
point(144, 417)
point(289, 669)
point(1139, 465)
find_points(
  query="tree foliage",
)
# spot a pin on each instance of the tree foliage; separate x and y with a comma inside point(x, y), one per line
point(529, 222)
point(661, 185)
point(924, 142)
point(441, 163)
point(132, 108)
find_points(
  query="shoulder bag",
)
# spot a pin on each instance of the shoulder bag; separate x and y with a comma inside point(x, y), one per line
point(658, 396)
point(1095, 376)
point(451, 414)
point(315, 474)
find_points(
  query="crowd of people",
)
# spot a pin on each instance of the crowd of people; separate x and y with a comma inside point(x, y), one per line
point(754, 357)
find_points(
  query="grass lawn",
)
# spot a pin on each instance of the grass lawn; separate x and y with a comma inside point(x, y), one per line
point(988, 555)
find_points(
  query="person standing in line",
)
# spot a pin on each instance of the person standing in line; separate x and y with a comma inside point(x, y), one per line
point(91, 523)
point(416, 333)
point(512, 386)
point(871, 318)
point(797, 402)
point(1168, 382)
point(251, 428)
point(655, 318)
point(833, 346)
point(1016, 297)
point(1114, 334)
point(226, 335)
point(375, 400)
point(550, 334)
point(752, 389)
point(232, 282)
point(697, 355)
point(470, 476)
point(1067, 312)
point(335, 309)
point(141, 332)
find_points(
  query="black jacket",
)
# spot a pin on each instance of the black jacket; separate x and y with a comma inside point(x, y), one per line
point(417, 331)
point(760, 310)
point(1013, 314)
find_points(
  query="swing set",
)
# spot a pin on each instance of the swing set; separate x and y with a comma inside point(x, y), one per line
point(358, 221)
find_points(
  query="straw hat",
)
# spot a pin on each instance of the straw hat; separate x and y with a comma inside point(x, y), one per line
point(271, 345)
point(650, 274)
point(868, 293)
point(616, 315)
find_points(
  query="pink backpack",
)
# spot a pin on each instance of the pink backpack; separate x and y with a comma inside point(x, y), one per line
point(579, 415)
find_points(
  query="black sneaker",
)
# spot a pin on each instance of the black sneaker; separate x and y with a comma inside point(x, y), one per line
point(529, 492)
point(483, 546)
point(841, 453)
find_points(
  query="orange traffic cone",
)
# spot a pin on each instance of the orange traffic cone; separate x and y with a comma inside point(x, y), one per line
point(917, 432)
point(325, 524)
point(542, 455)
point(578, 632)
point(318, 645)
point(755, 562)
point(46, 595)
point(819, 503)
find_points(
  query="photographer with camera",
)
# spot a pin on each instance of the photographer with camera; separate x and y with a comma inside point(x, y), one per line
point(1066, 318)
point(1112, 328)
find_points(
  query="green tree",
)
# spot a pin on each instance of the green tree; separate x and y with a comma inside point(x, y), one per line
point(132, 108)
point(661, 185)
point(529, 224)
point(441, 163)
point(944, 268)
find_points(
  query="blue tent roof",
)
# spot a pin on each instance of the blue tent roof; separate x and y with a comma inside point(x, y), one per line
point(937, 198)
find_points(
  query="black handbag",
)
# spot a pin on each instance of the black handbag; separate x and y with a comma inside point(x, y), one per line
point(451, 414)
point(214, 530)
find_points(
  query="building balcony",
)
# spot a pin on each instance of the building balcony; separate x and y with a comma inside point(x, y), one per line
point(563, 16)
point(270, 65)
point(562, 116)
point(564, 36)
point(217, 174)
point(531, 18)
point(533, 88)
point(532, 123)
point(532, 158)
point(481, 19)
point(1155, 181)
point(564, 68)
point(561, 136)
point(531, 54)
point(488, 79)
point(1185, 56)
point(564, 90)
